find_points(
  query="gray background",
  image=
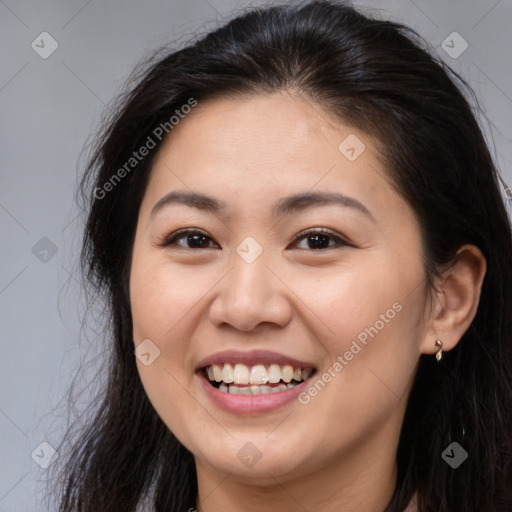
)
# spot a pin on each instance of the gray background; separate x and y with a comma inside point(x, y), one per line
point(48, 109)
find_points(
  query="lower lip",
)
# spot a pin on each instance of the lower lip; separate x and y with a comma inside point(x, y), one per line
point(251, 404)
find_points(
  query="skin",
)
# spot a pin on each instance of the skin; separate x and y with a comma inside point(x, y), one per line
point(337, 452)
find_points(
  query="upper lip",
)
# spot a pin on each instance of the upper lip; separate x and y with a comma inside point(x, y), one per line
point(252, 358)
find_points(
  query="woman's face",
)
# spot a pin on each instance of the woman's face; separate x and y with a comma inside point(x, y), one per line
point(346, 306)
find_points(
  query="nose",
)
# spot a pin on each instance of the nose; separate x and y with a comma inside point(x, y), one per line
point(249, 295)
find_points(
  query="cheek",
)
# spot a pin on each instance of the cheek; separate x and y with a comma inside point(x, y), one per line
point(347, 301)
point(161, 298)
point(162, 302)
point(368, 326)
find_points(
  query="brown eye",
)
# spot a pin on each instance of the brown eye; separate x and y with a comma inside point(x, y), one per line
point(318, 239)
point(193, 239)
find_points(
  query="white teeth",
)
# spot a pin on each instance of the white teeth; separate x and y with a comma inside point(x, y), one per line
point(258, 375)
point(274, 373)
point(227, 374)
point(217, 372)
point(255, 390)
point(287, 373)
point(241, 374)
point(306, 372)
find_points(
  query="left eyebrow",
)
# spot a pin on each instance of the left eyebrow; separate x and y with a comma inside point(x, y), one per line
point(302, 201)
point(284, 206)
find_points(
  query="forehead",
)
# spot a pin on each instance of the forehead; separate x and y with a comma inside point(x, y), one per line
point(273, 126)
point(263, 132)
point(249, 148)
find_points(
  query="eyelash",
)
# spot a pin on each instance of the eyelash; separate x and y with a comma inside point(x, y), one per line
point(171, 239)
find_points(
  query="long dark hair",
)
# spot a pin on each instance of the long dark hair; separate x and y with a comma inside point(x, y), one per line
point(380, 77)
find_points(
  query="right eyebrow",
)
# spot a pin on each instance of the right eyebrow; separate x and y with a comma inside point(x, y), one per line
point(192, 199)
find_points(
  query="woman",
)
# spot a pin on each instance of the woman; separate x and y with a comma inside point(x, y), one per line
point(302, 240)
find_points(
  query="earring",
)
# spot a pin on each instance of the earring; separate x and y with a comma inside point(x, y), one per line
point(439, 354)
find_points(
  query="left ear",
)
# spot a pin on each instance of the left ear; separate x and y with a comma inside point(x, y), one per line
point(456, 299)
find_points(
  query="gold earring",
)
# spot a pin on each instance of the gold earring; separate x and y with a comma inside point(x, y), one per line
point(439, 354)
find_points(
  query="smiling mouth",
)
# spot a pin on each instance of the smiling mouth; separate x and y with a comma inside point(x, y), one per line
point(239, 379)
